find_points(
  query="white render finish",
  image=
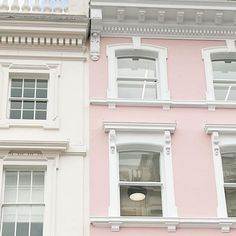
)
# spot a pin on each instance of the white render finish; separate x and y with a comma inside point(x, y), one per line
point(53, 44)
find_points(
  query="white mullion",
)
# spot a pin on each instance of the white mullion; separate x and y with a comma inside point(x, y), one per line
point(22, 97)
point(230, 185)
point(144, 88)
point(16, 206)
point(227, 94)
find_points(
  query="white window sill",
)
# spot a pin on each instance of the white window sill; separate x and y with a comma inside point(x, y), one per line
point(224, 224)
point(165, 104)
point(45, 124)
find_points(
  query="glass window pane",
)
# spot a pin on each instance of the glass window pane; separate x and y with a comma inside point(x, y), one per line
point(41, 93)
point(15, 114)
point(136, 67)
point(8, 225)
point(41, 115)
point(224, 69)
point(232, 94)
point(41, 105)
point(24, 186)
point(130, 90)
point(15, 92)
point(29, 93)
point(139, 166)
point(16, 83)
point(229, 168)
point(28, 105)
point(230, 195)
point(16, 104)
point(36, 221)
point(38, 187)
point(29, 83)
point(221, 92)
point(10, 186)
point(42, 83)
point(150, 91)
point(28, 114)
point(148, 205)
point(23, 216)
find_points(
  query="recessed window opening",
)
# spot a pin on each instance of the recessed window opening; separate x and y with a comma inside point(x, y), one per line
point(28, 96)
point(140, 183)
point(229, 170)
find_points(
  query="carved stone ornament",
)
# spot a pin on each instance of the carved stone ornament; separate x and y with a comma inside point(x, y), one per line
point(95, 46)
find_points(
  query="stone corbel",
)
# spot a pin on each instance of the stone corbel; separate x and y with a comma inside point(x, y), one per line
point(112, 141)
point(167, 137)
point(96, 28)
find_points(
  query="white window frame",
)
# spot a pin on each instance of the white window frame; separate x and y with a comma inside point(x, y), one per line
point(112, 91)
point(131, 136)
point(223, 138)
point(27, 66)
point(40, 155)
point(206, 56)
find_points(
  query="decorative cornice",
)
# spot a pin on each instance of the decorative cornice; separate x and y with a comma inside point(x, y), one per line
point(221, 128)
point(166, 19)
point(33, 145)
point(225, 224)
point(139, 126)
point(43, 31)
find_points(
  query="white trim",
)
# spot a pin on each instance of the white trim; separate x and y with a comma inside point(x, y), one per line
point(141, 134)
point(112, 68)
point(211, 105)
point(221, 128)
point(139, 126)
point(136, 42)
point(206, 56)
point(224, 224)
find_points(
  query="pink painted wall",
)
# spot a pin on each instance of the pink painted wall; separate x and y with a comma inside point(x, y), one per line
point(194, 180)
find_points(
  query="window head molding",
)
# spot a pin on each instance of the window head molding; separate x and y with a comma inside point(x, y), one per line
point(149, 79)
point(128, 137)
point(220, 76)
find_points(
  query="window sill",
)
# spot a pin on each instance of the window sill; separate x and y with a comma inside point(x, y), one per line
point(165, 104)
point(225, 224)
point(45, 124)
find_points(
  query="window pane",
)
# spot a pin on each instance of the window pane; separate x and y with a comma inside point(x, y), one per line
point(28, 114)
point(10, 186)
point(22, 228)
point(16, 104)
point(28, 105)
point(230, 195)
point(229, 168)
point(149, 206)
point(224, 70)
point(15, 92)
point(37, 221)
point(41, 115)
point(41, 105)
point(41, 93)
point(16, 83)
point(232, 94)
point(16, 114)
point(38, 187)
point(29, 83)
point(150, 91)
point(29, 93)
point(24, 186)
point(42, 83)
point(221, 92)
point(139, 166)
point(136, 67)
point(8, 225)
point(130, 90)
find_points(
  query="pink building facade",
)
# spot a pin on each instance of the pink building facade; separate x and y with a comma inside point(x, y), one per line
point(162, 118)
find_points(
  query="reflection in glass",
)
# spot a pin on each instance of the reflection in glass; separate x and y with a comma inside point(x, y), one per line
point(24, 186)
point(8, 220)
point(225, 69)
point(10, 186)
point(230, 196)
point(149, 206)
point(229, 167)
point(139, 166)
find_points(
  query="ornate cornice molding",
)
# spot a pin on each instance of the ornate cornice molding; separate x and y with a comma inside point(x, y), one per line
point(27, 30)
point(159, 19)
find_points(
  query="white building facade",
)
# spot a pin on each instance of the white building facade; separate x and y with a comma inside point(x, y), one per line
point(43, 118)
